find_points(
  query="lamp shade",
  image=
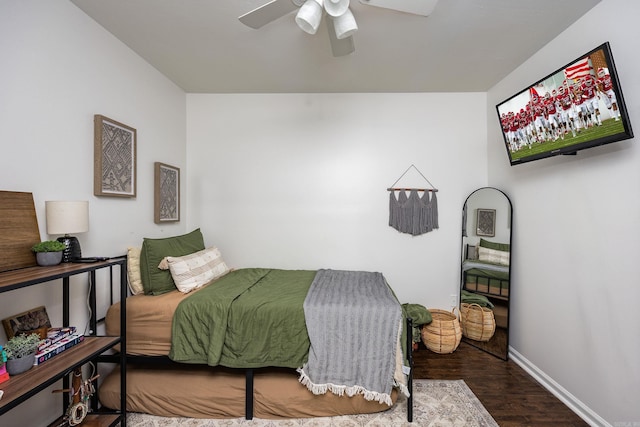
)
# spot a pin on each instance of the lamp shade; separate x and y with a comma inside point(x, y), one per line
point(309, 16)
point(336, 7)
point(64, 217)
point(345, 25)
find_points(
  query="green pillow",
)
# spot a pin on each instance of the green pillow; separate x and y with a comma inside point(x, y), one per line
point(495, 246)
point(154, 280)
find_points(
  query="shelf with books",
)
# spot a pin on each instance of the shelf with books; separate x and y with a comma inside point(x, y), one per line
point(23, 386)
point(20, 388)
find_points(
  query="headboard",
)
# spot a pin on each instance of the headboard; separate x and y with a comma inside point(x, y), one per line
point(18, 230)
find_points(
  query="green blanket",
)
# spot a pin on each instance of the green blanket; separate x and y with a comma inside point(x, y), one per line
point(473, 298)
point(419, 316)
point(247, 319)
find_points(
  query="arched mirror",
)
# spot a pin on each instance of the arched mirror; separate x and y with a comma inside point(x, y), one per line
point(485, 285)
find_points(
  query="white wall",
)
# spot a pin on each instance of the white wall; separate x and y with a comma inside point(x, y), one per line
point(59, 68)
point(575, 257)
point(300, 181)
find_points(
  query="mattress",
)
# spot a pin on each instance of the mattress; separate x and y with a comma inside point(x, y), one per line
point(149, 319)
point(195, 391)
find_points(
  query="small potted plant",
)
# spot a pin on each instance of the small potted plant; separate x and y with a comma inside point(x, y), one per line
point(48, 252)
point(21, 352)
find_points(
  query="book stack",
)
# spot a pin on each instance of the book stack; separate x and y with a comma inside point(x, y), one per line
point(57, 341)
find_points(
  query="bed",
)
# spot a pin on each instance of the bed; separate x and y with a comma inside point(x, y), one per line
point(486, 268)
point(260, 362)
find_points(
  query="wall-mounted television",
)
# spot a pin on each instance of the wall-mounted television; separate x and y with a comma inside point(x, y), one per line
point(577, 106)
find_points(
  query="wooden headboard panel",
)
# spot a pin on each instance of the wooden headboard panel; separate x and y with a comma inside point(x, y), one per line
point(18, 230)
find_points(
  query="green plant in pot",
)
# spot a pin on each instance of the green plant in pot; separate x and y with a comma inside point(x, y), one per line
point(21, 352)
point(48, 252)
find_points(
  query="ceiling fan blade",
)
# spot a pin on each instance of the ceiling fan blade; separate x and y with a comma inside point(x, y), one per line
point(339, 47)
point(416, 7)
point(267, 12)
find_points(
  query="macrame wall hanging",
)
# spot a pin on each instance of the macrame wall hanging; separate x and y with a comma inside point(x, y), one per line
point(413, 214)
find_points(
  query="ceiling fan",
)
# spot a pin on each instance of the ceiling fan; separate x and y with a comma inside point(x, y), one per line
point(339, 19)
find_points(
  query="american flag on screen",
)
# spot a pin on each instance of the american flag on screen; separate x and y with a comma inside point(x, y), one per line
point(578, 70)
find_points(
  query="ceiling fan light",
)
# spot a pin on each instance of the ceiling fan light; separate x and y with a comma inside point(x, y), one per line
point(345, 25)
point(336, 7)
point(309, 16)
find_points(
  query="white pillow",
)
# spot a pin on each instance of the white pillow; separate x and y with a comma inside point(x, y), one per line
point(133, 271)
point(192, 271)
point(493, 256)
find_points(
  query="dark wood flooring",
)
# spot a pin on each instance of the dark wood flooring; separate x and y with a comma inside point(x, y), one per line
point(512, 397)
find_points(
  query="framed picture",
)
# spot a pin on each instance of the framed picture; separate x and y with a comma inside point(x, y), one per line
point(114, 151)
point(486, 222)
point(35, 320)
point(167, 193)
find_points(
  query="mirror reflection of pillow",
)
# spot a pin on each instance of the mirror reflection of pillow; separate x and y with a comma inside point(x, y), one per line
point(495, 245)
point(493, 256)
point(193, 271)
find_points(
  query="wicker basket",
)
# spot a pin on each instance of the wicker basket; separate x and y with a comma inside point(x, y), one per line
point(443, 334)
point(478, 323)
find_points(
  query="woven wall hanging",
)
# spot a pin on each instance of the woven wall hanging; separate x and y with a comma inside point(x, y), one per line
point(413, 214)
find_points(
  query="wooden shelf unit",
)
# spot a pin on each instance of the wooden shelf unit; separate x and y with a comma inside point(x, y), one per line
point(22, 387)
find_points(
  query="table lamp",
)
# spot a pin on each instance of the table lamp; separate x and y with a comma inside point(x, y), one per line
point(66, 217)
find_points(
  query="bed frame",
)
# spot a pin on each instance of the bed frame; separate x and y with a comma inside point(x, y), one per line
point(503, 285)
point(249, 372)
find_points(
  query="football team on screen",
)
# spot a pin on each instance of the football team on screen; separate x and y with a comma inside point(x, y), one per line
point(571, 108)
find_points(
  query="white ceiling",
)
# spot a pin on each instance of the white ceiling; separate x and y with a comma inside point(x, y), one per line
point(463, 46)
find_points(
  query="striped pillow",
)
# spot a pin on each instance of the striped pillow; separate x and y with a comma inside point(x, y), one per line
point(493, 256)
point(133, 271)
point(192, 271)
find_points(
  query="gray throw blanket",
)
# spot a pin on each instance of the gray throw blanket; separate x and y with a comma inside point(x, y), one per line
point(353, 321)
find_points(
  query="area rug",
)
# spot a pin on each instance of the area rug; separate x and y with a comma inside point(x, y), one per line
point(436, 403)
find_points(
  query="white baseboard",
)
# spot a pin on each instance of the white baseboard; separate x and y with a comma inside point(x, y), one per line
point(558, 391)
